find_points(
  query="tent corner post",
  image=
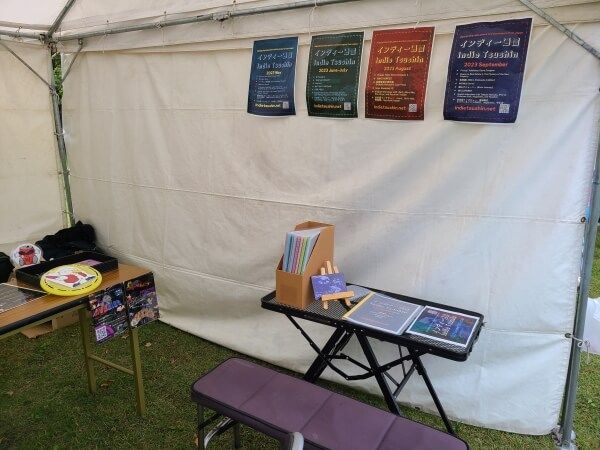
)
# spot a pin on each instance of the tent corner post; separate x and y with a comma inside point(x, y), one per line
point(565, 431)
point(62, 149)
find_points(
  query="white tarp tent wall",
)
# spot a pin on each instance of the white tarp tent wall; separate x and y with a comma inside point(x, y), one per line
point(30, 195)
point(173, 173)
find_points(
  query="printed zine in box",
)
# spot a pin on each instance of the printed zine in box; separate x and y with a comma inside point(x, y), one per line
point(142, 302)
point(109, 315)
point(446, 326)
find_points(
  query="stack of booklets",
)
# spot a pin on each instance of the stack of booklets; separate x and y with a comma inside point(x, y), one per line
point(299, 245)
point(395, 316)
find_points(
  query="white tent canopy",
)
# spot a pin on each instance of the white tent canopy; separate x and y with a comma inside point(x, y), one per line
point(173, 173)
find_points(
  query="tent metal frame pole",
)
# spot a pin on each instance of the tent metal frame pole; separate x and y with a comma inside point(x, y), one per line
point(216, 16)
point(68, 71)
point(555, 23)
point(565, 432)
point(18, 35)
point(62, 149)
point(61, 15)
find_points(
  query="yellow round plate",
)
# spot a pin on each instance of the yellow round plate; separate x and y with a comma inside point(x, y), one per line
point(72, 279)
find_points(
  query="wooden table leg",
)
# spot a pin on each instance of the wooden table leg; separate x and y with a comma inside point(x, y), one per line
point(137, 371)
point(84, 325)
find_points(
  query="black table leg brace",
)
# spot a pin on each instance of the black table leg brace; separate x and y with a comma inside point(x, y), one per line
point(381, 381)
point(332, 350)
point(421, 371)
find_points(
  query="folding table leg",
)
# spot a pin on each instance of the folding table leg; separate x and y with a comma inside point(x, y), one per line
point(84, 325)
point(137, 371)
point(318, 366)
point(381, 381)
point(421, 371)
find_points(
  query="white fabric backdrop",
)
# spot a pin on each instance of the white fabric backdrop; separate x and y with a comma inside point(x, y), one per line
point(30, 198)
point(175, 175)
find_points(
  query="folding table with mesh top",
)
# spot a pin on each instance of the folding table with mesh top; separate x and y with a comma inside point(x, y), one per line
point(410, 347)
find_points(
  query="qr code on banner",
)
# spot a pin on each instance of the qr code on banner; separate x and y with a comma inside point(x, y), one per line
point(504, 108)
point(412, 107)
point(285, 105)
point(101, 333)
point(347, 106)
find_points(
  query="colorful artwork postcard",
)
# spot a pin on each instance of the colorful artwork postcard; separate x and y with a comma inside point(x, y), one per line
point(142, 301)
point(109, 313)
point(445, 326)
point(328, 284)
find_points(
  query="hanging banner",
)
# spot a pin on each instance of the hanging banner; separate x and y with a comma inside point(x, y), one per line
point(397, 76)
point(271, 91)
point(333, 71)
point(485, 73)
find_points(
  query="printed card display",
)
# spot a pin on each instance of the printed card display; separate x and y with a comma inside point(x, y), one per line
point(328, 284)
point(142, 302)
point(383, 313)
point(333, 72)
point(445, 326)
point(109, 315)
point(69, 276)
point(271, 91)
point(398, 71)
point(485, 73)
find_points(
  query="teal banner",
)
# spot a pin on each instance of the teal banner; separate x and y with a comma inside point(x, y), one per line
point(333, 71)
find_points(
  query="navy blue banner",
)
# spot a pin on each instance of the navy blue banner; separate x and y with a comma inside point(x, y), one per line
point(271, 91)
point(485, 73)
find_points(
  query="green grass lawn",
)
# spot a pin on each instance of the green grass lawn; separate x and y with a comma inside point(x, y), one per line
point(44, 402)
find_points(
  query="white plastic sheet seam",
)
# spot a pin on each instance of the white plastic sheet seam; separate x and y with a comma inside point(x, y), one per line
point(334, 208)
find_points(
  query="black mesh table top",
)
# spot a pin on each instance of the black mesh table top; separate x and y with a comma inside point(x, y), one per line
point(333, 317)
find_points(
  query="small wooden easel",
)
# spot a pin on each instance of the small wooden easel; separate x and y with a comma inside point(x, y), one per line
point(346, 295)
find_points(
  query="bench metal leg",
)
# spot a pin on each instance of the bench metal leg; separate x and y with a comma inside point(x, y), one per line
point(200, 427)
point(237, 438)
point(388, 396)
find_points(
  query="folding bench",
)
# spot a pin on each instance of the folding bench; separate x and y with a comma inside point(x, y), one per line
point(277, 405)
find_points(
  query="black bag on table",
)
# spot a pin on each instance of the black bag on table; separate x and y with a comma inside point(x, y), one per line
point(68, 241)
point(6, 267)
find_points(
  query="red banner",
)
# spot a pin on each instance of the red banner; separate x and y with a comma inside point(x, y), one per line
point(398, 70)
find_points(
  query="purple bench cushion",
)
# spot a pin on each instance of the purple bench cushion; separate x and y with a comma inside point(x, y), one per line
point(277, 404)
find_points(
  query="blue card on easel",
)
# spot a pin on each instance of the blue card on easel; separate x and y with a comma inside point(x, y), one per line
point(328, 284)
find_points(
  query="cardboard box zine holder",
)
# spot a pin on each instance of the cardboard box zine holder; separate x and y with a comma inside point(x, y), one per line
point(296, 289)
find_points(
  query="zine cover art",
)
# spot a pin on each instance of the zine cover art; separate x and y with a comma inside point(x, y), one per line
point(328, 284)
point(442, 325)
point(109, 314)
point(142, 301)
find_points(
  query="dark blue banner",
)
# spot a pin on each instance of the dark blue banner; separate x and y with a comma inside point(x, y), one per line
point(485, 73)
point(271, 91)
